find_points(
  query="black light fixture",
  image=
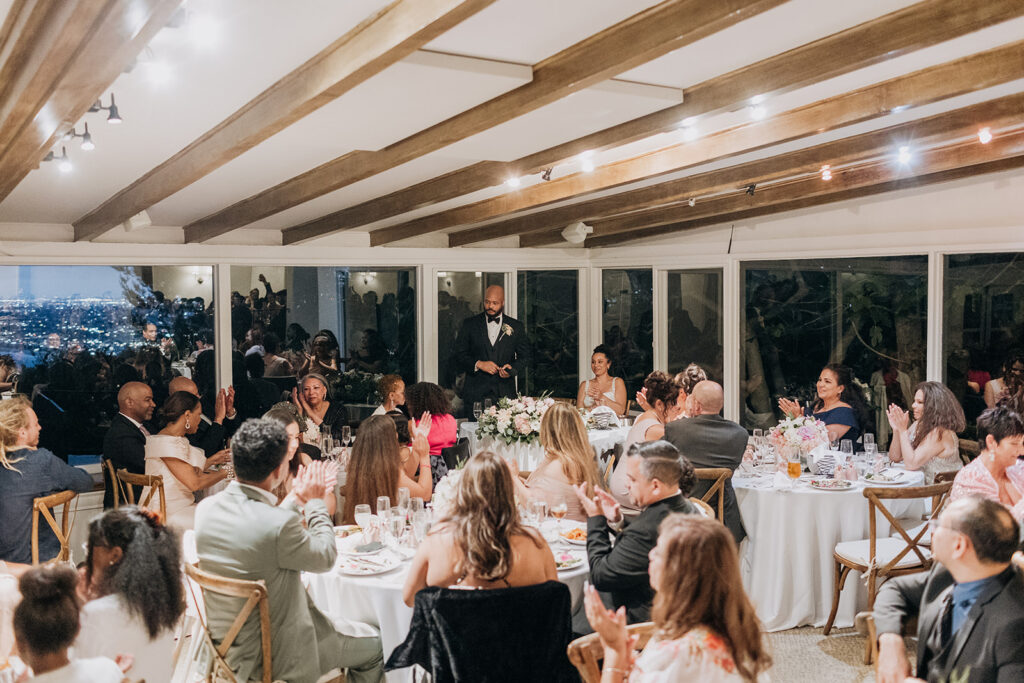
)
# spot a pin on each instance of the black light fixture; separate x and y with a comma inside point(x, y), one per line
point(87, 143)
point(546, 175)
point(64, 164)
point(114, 116)
point(750, 189)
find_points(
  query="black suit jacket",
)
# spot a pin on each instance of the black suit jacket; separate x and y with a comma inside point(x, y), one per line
point(712, 441)
point(473, 345)
point(209, 437)
point(125, 446)
point(621, 570)
point(989, 646)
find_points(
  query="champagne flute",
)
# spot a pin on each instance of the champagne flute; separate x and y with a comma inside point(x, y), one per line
point(403, 501)
point(396, 524)
point(363, 515)
point(477, 411)
point(416, 505)
point(846, 448)
point(383, 508)
point(346, 435)
point(539, 508)
point(559, 510)
point(487, 404)
point(869, 439)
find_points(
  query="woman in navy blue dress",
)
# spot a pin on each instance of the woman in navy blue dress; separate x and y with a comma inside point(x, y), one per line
point(840, 404)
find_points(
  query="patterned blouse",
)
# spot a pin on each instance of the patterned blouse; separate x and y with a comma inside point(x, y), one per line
point(975, 479)
point(700, 655)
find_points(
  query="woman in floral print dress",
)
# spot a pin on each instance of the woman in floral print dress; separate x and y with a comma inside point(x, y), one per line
point(705, 626)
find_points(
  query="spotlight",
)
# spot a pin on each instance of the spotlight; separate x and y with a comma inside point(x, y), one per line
point(751, 188)
point(692, 202)
point(87, 143)
point(985, 135)
point(904, 155)
point(689, 128)
point(576, 233)
point(513, 182)
point(758, 112)
point(546, 175)
point(826, 172)
point(64, 164)
point(114, 116)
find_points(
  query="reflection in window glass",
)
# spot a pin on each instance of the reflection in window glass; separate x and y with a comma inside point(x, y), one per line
point(70, 336)
point(867, 313)
point(549, 308)
point(695, 321)
point(459, 296)
point(983, 325)
point(351, 325)
point(627, 323)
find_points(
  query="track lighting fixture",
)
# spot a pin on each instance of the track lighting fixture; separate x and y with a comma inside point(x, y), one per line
point(826, 172)
point(692, 202)
point(87, 143)
point(63, 163)
point(751, 188)
point(114, 116)
point(985, 135)
point(546, 175)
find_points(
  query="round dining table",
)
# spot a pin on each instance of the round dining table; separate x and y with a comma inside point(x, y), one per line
point(353, 602)
point(786, 560)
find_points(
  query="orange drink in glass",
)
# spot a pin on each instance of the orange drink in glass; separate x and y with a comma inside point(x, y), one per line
point(793, 469)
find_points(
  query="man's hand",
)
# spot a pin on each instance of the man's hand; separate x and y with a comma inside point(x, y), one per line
point(893, 666)
point(310, 482)
point(591, 508)
point(505, 371)
point(488, 366)
point(609, 506)
point(229, 403)
point(262, 278)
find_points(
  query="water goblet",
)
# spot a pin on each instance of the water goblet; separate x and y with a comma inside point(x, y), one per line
point(396, 524)
point(403, 501)
point(383, 508)
point(539, 508)
point(415, 505)
point(487, 403)
point(420, 525)
point(363, 517)
point(346, 435)
point(869, 439)
point(846, 448)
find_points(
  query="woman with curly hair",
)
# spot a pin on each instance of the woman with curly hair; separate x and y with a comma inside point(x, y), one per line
point(930, 444)
point(481, 543)
point(840, 404)
point(427, 397)
point(705, 626)
point(134, 579)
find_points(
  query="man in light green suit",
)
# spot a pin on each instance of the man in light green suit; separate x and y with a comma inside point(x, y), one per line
point(242, 533)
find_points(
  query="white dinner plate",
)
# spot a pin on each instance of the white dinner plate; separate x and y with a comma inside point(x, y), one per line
point(830, 485)
point(902, 481)
point(349, 545)
point(352, 565)
point(573, 541)
point(567, 561)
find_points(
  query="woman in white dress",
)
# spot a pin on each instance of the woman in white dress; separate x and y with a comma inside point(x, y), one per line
point(930, 444)
point(134, 581)
point(181, 465)
point(705, 626)
point(45, 626)
point(603, 390)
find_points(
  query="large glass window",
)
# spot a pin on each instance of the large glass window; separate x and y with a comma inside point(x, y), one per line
point(866, 313)
point(459, 296)
point(983, 325)
point(549, 308)
point(70, 336)
point(627, 323)
point(695, 321)
point(356, 323)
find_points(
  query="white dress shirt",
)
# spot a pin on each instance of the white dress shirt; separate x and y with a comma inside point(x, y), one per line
point(494, 328)
point(137, 424)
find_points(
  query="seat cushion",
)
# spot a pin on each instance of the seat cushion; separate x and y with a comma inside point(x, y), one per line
point(885, 549)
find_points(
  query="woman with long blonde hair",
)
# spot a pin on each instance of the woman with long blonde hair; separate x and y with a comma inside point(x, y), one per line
point(568, 462)
point(481, 543)
point(705, 626)
point(375, 466)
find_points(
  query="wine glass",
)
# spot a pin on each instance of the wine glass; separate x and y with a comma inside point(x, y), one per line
point(415, 505)
point(403, 501)
point(487, 404)
point(327, 446)
point(539, 510)
point(363, 516)
point(420, 525)
point(869, 439)
point(559, 510)
point(846, 448)
point(396, 524)
point(383, 508)
point(346, 435)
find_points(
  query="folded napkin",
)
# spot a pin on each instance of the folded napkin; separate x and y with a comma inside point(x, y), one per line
point(782, 481)
point(599, 414)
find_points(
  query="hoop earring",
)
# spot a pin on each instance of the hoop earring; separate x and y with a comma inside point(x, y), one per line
point(188, 425)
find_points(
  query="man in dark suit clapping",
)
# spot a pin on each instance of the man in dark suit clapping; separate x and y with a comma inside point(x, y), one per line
point(970, 606)
point(125, 442)
point(491, 349)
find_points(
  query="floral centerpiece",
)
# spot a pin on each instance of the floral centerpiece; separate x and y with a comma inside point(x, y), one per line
point(355, 386)
point(798, 434)
point(514, 419)
point(444, 493)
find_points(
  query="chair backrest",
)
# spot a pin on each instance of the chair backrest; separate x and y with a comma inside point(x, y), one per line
point(586, 653)
point(719, 475)
point(115, 483)
point(455, 455)
point(948, 475)
point(45, 505)
point(609, 465)
point(152, 483)
point(705, 509)
point(255, 593)
point(939, 493)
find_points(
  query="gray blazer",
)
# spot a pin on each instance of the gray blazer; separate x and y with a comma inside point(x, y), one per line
point(240, 535)
point(988, 647)
point(712, 441)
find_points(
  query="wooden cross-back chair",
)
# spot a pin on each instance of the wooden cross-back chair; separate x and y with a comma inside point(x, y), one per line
point(719, 475)
point(884, 558)
point(587, 653)
point(706, 509)
point(44, 505)
point(151, 483)
point(115, 483)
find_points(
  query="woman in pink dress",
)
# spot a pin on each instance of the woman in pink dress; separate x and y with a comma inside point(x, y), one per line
point(427, 397)
point(705, 626)
point(996, 473)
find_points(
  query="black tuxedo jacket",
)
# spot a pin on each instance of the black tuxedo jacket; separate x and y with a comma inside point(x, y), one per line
point(125, 446)
point(989, 646)
point(472, 345)
point(621, 570)
point(712, 441)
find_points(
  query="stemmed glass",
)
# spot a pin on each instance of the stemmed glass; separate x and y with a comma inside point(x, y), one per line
point(383, 508)
point(559, 510)
point(477, 411)
point(403, 502)
point(346, 435)
point(396, 524)
point(539, 511)
point(363, 516)
point(487, 404)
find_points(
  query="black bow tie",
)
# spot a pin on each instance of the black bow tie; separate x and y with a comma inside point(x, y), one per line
point(494, 318)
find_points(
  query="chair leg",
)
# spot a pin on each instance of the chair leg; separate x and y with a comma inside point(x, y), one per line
point(871, 646)
point(840, 579)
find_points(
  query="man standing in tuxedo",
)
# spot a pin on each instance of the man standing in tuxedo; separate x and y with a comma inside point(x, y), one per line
point(969, 607)
point(125, 442)
point(492, 349)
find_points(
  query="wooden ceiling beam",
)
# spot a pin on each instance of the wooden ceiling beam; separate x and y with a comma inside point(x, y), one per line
point(959, 160)
point(381, 40)
point(912, 28)
point(56, 58)
point(984, 70)
point(652, 33)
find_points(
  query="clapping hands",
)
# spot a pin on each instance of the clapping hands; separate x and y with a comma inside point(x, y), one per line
point(789, 407)
point(899, 419)
point(311, 481)
point(608, 625)
point(603, 503)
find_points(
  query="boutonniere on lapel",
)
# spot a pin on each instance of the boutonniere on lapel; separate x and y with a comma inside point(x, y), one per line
point(506, 330)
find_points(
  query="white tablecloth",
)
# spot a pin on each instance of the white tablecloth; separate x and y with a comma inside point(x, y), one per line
point(377, 600)
point(530, 456)
point(786, 561)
